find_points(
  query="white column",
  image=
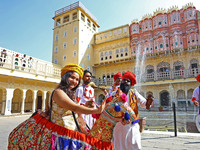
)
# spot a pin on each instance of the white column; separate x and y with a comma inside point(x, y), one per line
point(34, 100)
point(23, 101)
point(44, 100)
point(9, 96)
point(186, 98)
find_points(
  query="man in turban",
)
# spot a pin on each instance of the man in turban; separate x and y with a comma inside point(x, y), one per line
point(195, 96)
point(117, 80)
point(127, 137)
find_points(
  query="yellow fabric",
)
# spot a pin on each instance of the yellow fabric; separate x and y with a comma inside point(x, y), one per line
point(133, 103)
point(73, 67)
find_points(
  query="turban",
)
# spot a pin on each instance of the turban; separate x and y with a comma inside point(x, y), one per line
point(73, 67)
point(131, 76)
point(198, 77)
point(117, 75)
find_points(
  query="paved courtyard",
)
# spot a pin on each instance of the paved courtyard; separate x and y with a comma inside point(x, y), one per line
point(151, 140)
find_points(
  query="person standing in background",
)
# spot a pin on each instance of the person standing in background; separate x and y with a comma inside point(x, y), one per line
point(117, 81)
point(85, 96)
point(195, 95)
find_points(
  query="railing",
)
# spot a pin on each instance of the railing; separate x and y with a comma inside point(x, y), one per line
point(157, 76)
point(34, 66)
point(74, 6)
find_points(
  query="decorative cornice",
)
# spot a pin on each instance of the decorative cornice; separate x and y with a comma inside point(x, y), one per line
point(135, 21)
point(158, 11)
point(173, 8)
point(188, 5)
point(147, 16)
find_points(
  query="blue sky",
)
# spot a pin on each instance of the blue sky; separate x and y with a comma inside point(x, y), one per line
point(26, 25)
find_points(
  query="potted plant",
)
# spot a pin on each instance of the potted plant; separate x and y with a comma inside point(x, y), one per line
point(160, 108)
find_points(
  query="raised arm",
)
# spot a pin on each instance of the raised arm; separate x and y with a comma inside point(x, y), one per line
point(64, 101)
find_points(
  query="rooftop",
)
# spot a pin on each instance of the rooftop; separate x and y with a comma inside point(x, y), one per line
point(74, 6)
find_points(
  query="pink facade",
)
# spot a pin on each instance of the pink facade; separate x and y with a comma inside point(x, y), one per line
point(165, 31)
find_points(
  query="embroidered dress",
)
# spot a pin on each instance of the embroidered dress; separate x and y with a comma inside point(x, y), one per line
point(37, 133)
point(85, 93)
point(62, 117)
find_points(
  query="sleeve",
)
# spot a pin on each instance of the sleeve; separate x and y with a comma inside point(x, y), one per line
point(110, 91)
point(195, 95)
point(78, 94)
point(141, 100)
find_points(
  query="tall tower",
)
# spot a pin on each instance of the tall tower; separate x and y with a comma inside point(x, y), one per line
point(74, 29)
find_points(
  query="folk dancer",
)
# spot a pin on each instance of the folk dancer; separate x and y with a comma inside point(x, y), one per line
point(127, 137)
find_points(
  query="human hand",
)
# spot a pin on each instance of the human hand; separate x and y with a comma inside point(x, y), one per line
point(90, 103)
point(102, 107)
point(103, 89)
point(196, 103)
point(150, 100)
point(124, 122)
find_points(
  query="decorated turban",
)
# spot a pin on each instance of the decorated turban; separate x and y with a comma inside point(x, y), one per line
point(117, 75)
point(198, 77)
point(72, 67)
point(131, 76)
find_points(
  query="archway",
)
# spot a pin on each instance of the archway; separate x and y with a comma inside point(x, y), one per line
point(189, 97)
point(181, 98)
point(101, 97)
point(164, 98)
point(39, 100)
point(47, 101)
point(28, 101)
point(17, 101)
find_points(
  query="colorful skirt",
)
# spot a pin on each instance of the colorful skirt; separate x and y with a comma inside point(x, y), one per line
point(37, 133)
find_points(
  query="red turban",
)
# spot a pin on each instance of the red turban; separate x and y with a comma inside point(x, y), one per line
point(198, 77)
point(131, 76)
point(117, 75)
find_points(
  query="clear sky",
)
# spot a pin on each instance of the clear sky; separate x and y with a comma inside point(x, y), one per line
point(26, 25)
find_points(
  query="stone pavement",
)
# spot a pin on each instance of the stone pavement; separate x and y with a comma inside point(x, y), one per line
point(151, 140)
point(159, 140)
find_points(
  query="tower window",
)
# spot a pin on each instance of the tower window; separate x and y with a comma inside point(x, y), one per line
point(64, 57)
point(56, 49)
point(75, 41)
point(82, 17)
point(74, 16)
point(74, 53)
point(64, 45)
point(88, 23)
point(65, 33)
point(66, 19)
point(94, 27)
point(88, 56)
point(55, 61)
point(58, 22)
point(56, 37)
point(75, 29)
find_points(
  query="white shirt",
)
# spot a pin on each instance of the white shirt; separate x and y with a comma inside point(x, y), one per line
point(83, 94)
